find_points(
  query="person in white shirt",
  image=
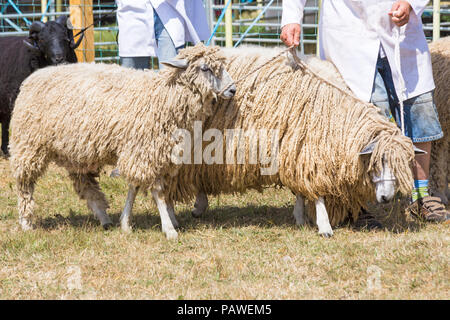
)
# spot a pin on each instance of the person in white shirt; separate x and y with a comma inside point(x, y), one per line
point(360, 37)
point(149, 28)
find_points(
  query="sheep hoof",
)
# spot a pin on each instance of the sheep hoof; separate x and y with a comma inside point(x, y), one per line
point(171, 235)
point(26, 225)
point(126, 228)
point(196, 213)
point(326, 234)
point(115, 173)
point(107, 226)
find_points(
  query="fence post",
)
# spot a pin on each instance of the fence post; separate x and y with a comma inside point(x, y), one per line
point(318, 21)
point(43, 9)
point(229, 26)
point(81, 16)
point(436, 19)
point(59, 6)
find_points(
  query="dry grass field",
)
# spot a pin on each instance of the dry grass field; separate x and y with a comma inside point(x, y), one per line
point(245, 247)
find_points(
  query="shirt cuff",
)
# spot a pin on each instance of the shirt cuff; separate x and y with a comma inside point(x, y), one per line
point(418, 6)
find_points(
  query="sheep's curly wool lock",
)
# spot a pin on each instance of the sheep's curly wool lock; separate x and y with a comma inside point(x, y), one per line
point(440, 160)
point(322, 130)
point(86, 116)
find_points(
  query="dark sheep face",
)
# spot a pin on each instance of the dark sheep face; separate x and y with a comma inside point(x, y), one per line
point(53, 40)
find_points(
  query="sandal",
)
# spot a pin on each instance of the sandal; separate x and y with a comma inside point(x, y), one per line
point(429, 209)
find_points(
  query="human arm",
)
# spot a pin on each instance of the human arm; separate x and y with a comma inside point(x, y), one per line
point(292, 17)
point(401, 10)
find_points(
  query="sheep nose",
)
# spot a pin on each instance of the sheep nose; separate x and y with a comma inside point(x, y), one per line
point(232, 90)
point(384, 199)
point(58, 58)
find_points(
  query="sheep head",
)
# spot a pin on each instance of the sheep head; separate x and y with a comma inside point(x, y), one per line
point(202, 68)
point(384, 161)
point(53, 41)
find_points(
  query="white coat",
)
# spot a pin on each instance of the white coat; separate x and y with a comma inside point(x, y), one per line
point(184, 21)
point(350, 34)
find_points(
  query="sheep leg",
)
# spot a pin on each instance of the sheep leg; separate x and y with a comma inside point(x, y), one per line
point(5, 137)
point(87, 187)
point(322, 219)
point(27, 167)
point(299, 210)
point(201, 204)
point(126, 214)
point(25, 203)
point(164, 212)
point(172, 215)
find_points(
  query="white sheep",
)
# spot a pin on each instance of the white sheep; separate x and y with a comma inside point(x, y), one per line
point(112, 116)
point(321, 133)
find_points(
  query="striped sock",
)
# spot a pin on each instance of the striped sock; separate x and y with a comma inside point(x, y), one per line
point(420, 189)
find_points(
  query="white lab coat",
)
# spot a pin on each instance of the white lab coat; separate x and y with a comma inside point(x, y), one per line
point(350, 34)
point(183, 20)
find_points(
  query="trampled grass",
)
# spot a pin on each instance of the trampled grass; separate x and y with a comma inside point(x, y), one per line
point(245, 247)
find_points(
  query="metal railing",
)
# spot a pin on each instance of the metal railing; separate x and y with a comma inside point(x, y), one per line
point(16, 16)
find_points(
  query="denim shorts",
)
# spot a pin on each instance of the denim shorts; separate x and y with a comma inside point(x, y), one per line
point(420, 115)
point(165, 48)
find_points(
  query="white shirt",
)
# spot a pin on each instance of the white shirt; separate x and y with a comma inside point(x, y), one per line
point(183, 20)
point(351, 34)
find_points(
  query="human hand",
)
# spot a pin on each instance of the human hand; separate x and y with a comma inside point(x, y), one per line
point(290, 34)
point(400, 12)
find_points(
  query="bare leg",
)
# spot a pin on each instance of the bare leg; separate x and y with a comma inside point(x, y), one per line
point(126, 214)
point(322, 219)
point(88, 188)
point(421, 166)
point(166, 222)
point(201, 204)
point(299, 210)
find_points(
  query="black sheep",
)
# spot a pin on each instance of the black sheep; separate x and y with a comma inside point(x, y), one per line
point(48, 43)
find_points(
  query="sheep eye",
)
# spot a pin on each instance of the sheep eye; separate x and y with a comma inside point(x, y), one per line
point(204, 67)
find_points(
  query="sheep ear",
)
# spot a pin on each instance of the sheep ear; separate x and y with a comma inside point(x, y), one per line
point(368, 149)
point(175, 63)
point(35, 28)
point(69, 24)
point(62, 20)
point(418, 151)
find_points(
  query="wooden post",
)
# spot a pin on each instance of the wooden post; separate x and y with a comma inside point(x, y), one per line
point(81, 16)
point(229, 26)
point(436, 19)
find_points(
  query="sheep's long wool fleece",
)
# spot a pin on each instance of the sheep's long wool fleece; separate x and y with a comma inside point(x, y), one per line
point(321, 132)
point(84, 116)
point(440, 150)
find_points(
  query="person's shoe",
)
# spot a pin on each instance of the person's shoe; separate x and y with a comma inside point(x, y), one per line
point(429, 209)
point(367, 221)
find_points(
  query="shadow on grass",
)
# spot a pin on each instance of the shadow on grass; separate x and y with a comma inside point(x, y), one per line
point(223, 217)
point(391, 217)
